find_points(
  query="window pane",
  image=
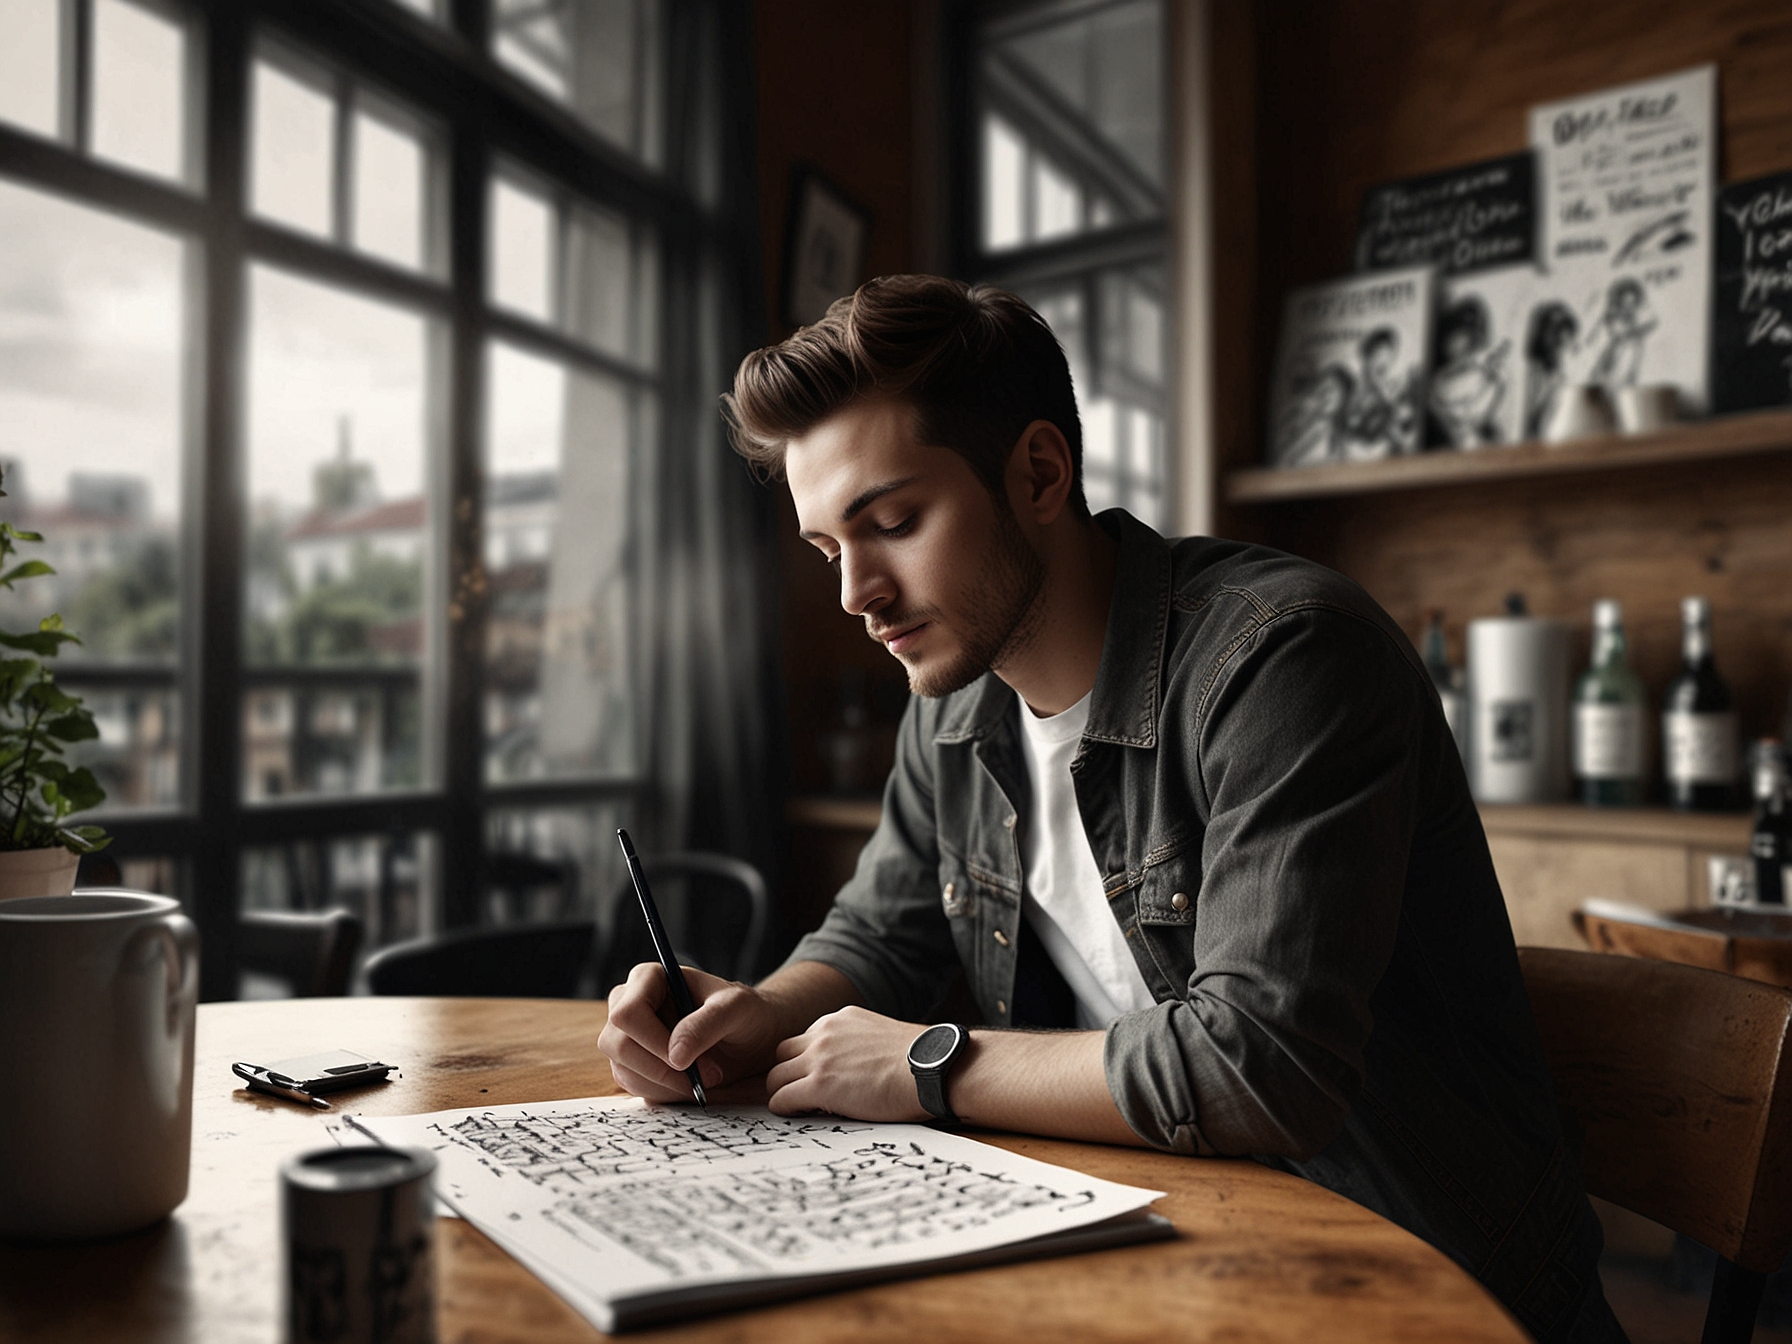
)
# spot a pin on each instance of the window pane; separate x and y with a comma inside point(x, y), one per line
point(581, 838)
point(294, 154)
point(139, 88)
point(558, 645)
point(392, 881)
point(614, 287)
point(30, 64)
point(91, 321)
point(389, 191)
point(1080, 99)
point(602, 58)
point(522, 257)
point(338, 541)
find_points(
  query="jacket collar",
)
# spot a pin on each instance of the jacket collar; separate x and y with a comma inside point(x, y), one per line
point(1124, 707)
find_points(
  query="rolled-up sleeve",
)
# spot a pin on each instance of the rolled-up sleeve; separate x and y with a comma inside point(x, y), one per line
point(1305, 748)
point(886, 932)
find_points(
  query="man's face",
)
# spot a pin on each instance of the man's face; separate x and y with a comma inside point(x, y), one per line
point(941, 573)
point(1380, 363)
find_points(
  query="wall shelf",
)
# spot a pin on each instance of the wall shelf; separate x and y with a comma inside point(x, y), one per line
point(1729, 436)
point(1626, 825)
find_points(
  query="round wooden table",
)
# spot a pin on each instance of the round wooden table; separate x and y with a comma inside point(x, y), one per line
point(1260, 1255)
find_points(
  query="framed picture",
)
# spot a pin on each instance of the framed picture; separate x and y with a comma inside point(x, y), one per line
point(824, 247)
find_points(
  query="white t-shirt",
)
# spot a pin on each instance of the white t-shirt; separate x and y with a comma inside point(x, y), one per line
point(1064, 902)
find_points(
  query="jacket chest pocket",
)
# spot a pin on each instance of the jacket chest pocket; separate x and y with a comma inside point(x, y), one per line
point(984, 917)
point(1165, 901)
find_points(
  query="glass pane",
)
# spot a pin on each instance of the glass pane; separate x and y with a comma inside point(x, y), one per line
point(614, 284)
point(1080, 98)
point(558, 648)
point(91, 322)
point(602, 58)
point(30, 64)
point(293, 151)
point(139, 88)
point(338, 541)
point(582, 840)
point(1004, 185)
point(522, 251)
point(392, 881)
point(389, 191)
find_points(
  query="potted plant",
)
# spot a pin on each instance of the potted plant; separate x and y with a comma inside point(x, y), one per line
point(39, 849)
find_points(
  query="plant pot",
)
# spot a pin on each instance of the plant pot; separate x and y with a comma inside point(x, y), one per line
point(37, 872)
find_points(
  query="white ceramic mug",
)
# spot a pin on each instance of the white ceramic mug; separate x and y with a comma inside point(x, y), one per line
point(1645, 409)
point(1582, 411)
point(97, 997)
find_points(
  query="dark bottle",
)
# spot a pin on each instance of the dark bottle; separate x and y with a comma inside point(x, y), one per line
point(1698, 722)
point(1447, 679)
point(1771, 843)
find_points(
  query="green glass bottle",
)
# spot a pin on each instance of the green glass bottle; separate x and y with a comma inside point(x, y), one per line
point(1609, 716)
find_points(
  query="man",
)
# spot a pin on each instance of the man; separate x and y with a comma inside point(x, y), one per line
point(1195, 799)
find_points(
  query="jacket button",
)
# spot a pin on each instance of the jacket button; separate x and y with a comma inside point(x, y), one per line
point(1009, 821)
point(1179, 901)
point(1001, 1008)
point(1001, 938)
point(951, 890)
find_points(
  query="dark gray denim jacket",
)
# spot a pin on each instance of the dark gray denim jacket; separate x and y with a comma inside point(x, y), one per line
point(1287, 840)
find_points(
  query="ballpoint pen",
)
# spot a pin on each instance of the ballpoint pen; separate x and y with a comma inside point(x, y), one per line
point(260, 1080)
point(662, 947)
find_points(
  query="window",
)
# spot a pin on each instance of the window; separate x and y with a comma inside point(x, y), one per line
point(343, 450)
point(1066, 139)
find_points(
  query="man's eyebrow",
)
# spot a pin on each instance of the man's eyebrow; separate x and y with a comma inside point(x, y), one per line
point(864, 499)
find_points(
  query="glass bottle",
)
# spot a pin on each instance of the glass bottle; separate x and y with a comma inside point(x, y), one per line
point(1771, 843)
point(1698, 722)
point(1609, 704)
point(1446, 678)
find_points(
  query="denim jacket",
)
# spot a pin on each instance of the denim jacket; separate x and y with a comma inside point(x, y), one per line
point(1287, 841)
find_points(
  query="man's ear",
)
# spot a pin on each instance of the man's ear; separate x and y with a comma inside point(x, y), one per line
point(1041, 475)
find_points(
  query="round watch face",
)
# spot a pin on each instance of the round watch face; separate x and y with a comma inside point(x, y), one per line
point(934, 1046)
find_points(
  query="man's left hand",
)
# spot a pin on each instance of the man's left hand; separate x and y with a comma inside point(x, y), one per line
point(852, 1063)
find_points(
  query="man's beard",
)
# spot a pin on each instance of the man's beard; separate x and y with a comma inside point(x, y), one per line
point(1000, 619)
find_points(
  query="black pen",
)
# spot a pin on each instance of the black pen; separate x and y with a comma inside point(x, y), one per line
point(662, 946)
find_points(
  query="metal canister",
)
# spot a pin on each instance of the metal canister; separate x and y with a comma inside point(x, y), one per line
point(359, 1232)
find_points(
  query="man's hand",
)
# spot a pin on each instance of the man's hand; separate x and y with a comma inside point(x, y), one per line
point(851, 1062)
point(731, 1035)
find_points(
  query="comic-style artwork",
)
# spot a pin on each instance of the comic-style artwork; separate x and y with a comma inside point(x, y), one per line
point(1628, 176)
point(1477, 389)
point(1350, 375)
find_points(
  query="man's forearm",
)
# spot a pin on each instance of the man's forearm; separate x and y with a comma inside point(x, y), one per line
point(1038, 1082)
point(803, 991)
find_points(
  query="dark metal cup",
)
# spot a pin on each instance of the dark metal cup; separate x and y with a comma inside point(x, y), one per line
point(360, 1246)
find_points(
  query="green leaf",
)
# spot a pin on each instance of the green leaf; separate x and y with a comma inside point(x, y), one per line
point(82, 790)
point(76, 727)
point(29, 570)
point(51, 622)
point(43, 643)
point(48, 696)
point(82, 839)
point(20, 534)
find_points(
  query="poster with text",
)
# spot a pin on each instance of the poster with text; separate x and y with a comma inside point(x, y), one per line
point(1751, 296)
point(1628, 177)
point(1473, 218)
point(1349, 381)
point(1479, 388)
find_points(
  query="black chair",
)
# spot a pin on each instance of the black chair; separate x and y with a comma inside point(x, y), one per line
point(715, 906)
point(313, 952)
point(514, 879)
point(511, 961)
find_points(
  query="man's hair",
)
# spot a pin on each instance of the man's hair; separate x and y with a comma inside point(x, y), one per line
point(976, 364)
point(1376, 339)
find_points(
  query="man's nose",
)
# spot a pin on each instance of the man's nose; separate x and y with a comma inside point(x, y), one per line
point(865, 586)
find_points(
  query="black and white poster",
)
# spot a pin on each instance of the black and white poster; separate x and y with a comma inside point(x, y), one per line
point(1461, 220)
point(1751, 296)
point(1628, 177)
point(1479, 387)
point(1349, 384)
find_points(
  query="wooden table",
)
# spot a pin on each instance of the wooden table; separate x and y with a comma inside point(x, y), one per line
point(1261, 1255)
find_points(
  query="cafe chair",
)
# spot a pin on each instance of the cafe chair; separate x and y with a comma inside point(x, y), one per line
point(509, 961)
point(1752, 943)
point(312, 953)
point(524, 886)
point(1671, 1083)
point(715, 907)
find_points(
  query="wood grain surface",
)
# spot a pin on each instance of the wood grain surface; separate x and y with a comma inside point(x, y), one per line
point(1260, 1255)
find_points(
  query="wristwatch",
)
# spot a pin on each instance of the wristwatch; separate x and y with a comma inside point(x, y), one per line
point(929, 1059)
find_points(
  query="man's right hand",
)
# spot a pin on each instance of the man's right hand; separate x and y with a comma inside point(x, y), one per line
point(733, 1034)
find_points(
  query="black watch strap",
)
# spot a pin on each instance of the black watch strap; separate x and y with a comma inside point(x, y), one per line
point(930, 1059)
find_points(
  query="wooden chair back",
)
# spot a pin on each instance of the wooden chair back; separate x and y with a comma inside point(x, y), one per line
point(1674, 1080)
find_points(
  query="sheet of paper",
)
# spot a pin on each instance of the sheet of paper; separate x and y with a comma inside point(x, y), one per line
point(609, 1196)
point(1628, 178)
